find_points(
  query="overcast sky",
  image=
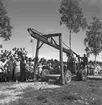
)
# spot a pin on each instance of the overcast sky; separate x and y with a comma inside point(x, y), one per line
point(43, 15)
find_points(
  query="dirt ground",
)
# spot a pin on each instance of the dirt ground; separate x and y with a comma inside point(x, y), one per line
point(75, 93)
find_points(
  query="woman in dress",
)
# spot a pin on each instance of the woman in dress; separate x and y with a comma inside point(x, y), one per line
point(17, 69)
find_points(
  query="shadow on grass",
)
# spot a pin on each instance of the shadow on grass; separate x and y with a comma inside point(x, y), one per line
point(41, 97)
point(70, 97)
point(2, 96)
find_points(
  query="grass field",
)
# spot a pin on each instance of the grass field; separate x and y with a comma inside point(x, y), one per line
point(75, 93)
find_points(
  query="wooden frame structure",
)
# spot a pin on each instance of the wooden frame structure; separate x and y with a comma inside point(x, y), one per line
point(49, 40)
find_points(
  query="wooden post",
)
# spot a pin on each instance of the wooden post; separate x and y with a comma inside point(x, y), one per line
point(33, 49)
point(61, 60)
point(36, 59)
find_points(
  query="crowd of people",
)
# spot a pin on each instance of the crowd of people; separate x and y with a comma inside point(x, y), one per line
point(15, 65)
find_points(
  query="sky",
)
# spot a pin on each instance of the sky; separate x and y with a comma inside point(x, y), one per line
point(43, 15)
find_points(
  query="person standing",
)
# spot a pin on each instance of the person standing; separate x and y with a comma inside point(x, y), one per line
point(17, 69)
point(23, 70)
point(1, 66)
point(10, 69)
point(85, 60)
point(1, 69)
point(70, 63)
point(4, 61)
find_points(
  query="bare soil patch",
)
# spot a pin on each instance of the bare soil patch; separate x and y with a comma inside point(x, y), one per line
point(75, 93)
point(13, 92)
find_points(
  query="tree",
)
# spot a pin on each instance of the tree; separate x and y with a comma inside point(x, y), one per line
point(5, 27)
point(72, 16)
point(93, 38)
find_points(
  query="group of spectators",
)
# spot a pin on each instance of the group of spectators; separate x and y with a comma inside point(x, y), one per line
point(15, 65)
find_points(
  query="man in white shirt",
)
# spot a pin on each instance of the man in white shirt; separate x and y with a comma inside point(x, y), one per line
point(1, 66)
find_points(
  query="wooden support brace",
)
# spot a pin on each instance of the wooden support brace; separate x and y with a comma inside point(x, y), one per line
point(40, 45)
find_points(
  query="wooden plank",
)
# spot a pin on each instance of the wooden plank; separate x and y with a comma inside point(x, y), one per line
point(52, 76)
point(95, 77)
point(52, 35)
